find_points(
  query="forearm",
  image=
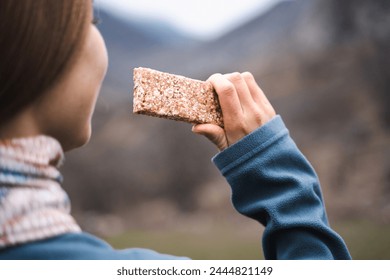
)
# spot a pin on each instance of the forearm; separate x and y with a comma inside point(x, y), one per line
point(273, 183)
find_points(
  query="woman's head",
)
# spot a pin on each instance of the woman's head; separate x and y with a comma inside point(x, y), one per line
point(52, 62)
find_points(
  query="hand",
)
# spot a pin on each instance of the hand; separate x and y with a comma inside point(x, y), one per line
point(244, 108)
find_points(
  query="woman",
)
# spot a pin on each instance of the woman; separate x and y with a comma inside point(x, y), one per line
point(53, 60)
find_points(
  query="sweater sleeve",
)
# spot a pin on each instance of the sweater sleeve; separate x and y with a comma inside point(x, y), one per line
point(273, 183)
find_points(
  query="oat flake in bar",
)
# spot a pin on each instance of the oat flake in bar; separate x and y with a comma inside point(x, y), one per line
point(175, 97)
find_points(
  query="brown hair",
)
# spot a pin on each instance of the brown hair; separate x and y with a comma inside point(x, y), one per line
point(39, 39)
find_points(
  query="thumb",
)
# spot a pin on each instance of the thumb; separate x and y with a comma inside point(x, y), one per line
point(214, 133)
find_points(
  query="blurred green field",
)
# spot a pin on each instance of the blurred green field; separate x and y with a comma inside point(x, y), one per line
point(216, 244)
point(365, 240)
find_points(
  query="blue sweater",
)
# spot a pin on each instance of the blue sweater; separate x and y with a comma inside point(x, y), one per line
point(271, 181)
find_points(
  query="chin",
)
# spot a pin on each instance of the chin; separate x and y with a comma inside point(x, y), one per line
point(77, 141)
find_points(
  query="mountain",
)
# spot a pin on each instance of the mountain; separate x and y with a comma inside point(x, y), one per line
point(322, 63)
point(136, 34)
point(130, 42)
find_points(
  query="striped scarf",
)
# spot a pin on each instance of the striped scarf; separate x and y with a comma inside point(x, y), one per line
point(33, 205)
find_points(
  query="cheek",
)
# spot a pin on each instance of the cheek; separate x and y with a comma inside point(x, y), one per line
point(88, 93)
point(91, 77)
point(69, 117)
point(95, 69)
point(84, 108)
point(75, 121)
point(99, 54)
point(73, 102)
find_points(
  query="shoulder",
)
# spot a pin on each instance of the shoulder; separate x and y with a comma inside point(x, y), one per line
point(78, 246)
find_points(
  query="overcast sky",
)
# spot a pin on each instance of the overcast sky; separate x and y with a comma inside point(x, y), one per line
point(201, 18)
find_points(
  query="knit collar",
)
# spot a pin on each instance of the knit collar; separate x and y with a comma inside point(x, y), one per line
point(33, 205)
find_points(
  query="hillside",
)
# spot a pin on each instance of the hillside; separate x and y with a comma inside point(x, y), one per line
point(324, 66)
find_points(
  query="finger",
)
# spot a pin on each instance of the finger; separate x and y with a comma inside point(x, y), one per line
point(264, 111)
point(243, 92)
point(256, 92)
point(228, 98)
point(212, 132)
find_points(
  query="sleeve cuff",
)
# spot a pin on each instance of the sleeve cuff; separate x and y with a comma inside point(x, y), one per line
point(249, 145)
